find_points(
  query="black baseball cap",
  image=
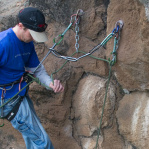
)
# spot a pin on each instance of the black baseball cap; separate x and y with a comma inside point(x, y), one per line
point(34, 20)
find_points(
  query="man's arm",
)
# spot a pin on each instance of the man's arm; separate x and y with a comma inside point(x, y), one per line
point(44, 78)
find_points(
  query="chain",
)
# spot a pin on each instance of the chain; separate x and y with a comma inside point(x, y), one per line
point(77, 20)
point(77, 35)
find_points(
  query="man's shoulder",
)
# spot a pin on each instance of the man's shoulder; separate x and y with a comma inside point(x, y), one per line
point(5, 36)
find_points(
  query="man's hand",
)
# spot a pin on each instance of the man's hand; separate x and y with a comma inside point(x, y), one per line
point(57, 86)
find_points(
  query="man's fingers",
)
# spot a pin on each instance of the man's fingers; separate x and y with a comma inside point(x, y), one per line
point(57, 86)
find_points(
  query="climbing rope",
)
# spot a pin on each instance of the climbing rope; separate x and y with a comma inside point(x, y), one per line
point(103, 107)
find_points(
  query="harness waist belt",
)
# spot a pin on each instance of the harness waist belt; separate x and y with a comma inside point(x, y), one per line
point(10, 84)
point(26, 78)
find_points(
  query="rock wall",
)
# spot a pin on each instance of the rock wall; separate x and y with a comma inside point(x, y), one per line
point(131, 70)
point(72, 118)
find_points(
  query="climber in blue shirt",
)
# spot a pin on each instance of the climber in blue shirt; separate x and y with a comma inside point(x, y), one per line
point(17, 55)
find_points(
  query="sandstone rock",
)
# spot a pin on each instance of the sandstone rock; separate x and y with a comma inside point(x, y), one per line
point(133, 119)
point(132, 66)
point(87, 105)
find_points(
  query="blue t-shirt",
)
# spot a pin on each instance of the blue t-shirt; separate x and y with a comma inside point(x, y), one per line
point(15, 55)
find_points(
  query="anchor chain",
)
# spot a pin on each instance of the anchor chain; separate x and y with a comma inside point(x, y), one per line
point(77, 20)
point(77, 36)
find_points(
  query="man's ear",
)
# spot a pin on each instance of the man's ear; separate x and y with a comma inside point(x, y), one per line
point(20, 25)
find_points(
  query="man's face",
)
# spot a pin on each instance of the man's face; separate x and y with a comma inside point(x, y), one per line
point(25, 35)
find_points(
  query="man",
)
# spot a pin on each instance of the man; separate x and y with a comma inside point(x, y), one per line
point(17, 55)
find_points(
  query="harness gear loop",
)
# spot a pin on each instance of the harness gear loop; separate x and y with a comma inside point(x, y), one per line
point(20, 83)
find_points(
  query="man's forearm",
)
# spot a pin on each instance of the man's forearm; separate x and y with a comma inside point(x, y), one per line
point(41, 74)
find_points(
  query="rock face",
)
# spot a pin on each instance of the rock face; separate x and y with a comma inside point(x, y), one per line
point(133, 118)
point(132, 69)
point(87, 109)
point(72, 118)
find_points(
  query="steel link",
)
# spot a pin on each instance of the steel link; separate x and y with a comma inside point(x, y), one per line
point(77, 35)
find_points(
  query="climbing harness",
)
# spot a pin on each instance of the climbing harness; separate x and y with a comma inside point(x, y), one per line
point(74, 21)
point(28, 78)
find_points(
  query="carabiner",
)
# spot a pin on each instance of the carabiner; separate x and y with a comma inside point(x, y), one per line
point(120, 23)
point(61, 38)
point(79, 12)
